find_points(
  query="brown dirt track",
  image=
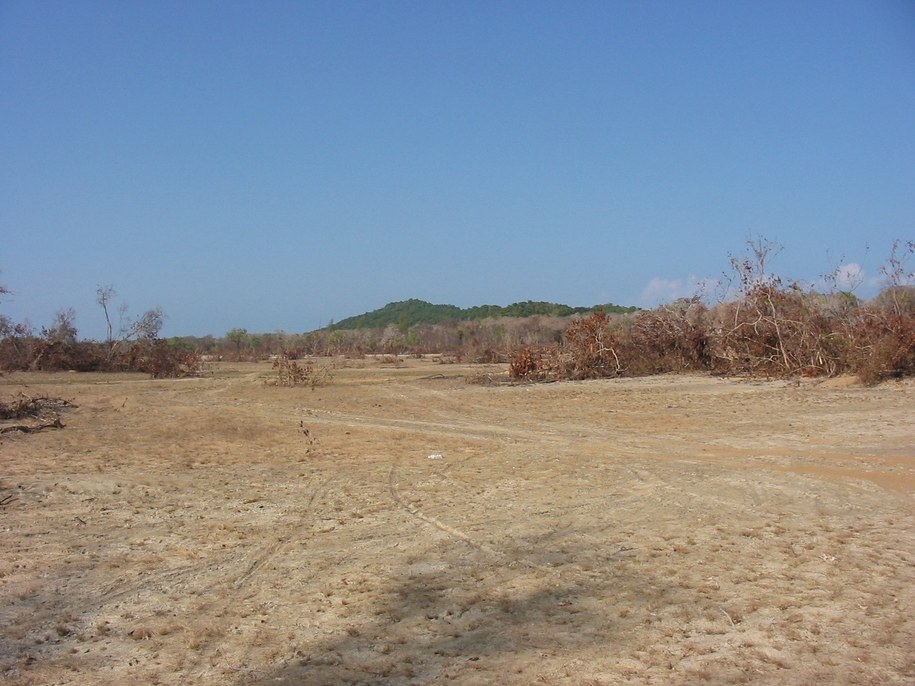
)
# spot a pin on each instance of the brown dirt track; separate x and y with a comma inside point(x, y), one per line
point(665, 530)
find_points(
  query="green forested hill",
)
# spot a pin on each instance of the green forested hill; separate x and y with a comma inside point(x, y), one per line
point(406, 313)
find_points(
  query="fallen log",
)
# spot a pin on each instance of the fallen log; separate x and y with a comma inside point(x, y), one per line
point(35, 428)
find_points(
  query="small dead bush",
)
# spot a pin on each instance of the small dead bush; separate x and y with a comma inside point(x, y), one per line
point(159, 360)
point(290, 372)
point(669, 339)
point(883, 346)
point(43, 412)
point(23, 406)
point(589, 348)
point(535, 364)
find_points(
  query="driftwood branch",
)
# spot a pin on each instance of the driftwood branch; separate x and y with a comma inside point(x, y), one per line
point(43, 411)
point(31, 429)
point(25, 406)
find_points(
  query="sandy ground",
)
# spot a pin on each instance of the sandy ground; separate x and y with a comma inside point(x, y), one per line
point(666, 530)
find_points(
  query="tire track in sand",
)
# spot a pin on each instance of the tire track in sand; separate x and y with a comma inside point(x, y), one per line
point(230, 588)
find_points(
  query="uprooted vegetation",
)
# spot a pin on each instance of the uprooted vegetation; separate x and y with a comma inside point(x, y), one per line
point(155, 357)
point(770, 329)
point(42, 412)
point(289, 372)
point(764, 327)
point(133, 346)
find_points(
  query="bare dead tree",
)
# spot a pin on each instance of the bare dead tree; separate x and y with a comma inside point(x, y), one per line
point(103, 296)
point(144, 327)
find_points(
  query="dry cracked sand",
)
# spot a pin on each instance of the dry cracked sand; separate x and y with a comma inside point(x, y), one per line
point(663, 530)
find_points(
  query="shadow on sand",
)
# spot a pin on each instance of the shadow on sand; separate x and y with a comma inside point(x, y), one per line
point(467, 618)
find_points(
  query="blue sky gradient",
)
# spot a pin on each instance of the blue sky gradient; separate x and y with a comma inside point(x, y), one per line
point(277, 165)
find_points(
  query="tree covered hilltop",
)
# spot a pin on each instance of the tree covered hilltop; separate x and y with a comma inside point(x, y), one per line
point(407, 313)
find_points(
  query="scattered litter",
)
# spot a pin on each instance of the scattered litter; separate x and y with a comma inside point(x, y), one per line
point(436, 456)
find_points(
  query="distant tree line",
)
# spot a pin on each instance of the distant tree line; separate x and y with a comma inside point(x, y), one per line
point(763, 326)
point(471, 341)
point(132, 343)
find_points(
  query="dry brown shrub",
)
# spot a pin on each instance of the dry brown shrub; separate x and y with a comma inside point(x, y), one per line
point(535, 364)
point(668, 339)
point(770, 329)
point(589, 348)
point(883, 346)
point(149, 356)
point(776, 331)
point(159, 360)
point(290, 372)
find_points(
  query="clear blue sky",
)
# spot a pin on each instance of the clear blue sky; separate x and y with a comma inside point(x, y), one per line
point(275, 165)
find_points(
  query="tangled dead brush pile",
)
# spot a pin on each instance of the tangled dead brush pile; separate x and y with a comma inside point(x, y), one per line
point(774, 336)
point(43, 411)
point(771, 329)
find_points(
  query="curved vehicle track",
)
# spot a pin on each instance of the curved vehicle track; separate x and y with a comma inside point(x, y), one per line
point(651, 531)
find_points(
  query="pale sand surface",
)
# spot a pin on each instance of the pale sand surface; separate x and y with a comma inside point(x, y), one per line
point(665, 530)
